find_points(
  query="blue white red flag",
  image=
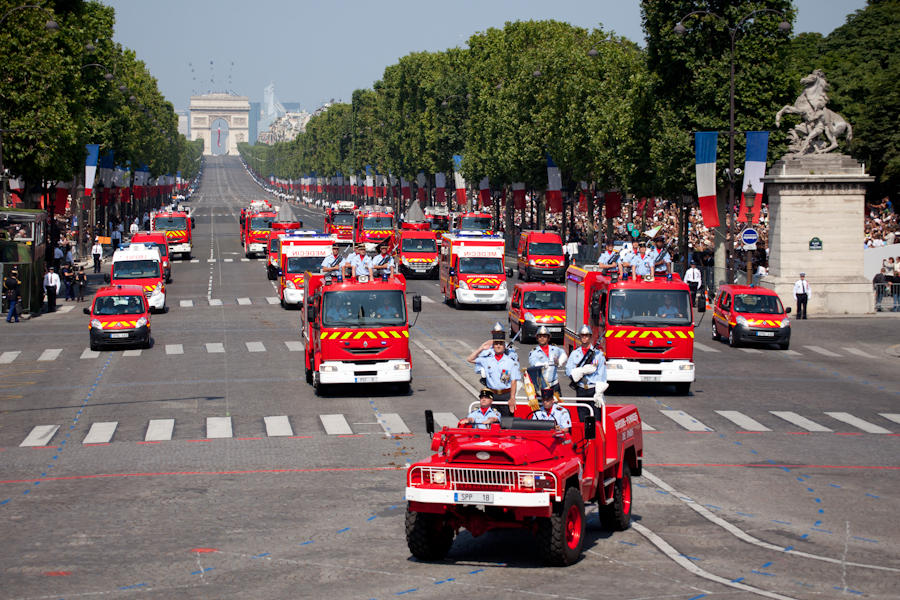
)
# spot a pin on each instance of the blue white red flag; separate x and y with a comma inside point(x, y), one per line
point(705, 146)
point(554, 187)
point(90, 167)
point(459, 180)
point(754, 170)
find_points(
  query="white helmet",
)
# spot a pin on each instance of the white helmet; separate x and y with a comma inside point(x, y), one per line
point(542, 330)
point(585, 330)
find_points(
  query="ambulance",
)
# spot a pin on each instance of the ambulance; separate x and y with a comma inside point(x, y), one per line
point(140, 264)
point(158, 239)
point(300, 252)
point(472, 269)
point(177, 226)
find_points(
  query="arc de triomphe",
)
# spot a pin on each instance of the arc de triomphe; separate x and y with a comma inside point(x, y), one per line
point(221, 120)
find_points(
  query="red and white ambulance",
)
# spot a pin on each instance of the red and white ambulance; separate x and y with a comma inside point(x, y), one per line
point(472, 269)
point(140, 264)
point(300, 252)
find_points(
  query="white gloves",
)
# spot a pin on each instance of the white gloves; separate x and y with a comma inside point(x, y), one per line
point(588, 369)
point(561, 360)
point(577, 373)
point(599, 400)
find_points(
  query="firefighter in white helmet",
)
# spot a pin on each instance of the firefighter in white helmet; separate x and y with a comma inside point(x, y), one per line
point(587, 366)
point(548, 357)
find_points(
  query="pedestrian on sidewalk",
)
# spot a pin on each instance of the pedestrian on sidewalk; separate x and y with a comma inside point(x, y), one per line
point(58, 256)
point(80, 283)
point(70, 256)
point(134, 227)
point(97, 254)
point(801, 295)
point(11, 285)
point(879, 283)
point(68, 278)
point(51, 288)
point(116, 237)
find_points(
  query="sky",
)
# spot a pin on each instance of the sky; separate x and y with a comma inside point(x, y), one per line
point(312, 54)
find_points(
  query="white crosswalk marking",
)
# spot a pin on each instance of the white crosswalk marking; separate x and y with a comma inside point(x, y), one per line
point(174, 349)
point(822, 351)
point(273, 300)
point(210, 260)
point(685, 420)
point(40, 435)
point(255, 347)
point(215, 302)
point(8, 357)
point(743, 421)
point(750, 350)
point(243, 301)
point(646, 427)
point(792, 353)
point(704, 347)
point(392, 424)
point(88, 353)
point(215, 347)
point(159, 430)
point(50, 354)
point(445, 419)
point(186, 303)
point(195, 260)
point(335, 425)
point(100, 433)
point(294, 346)
point(278, 426)
point(427, 300)
point(858, 352)
point(229, 260)
point(132, 353)
point(802, 422)
point(857, 422)
point(218, 427)
point(245, 260)
point(64, 309)
point(895, 417)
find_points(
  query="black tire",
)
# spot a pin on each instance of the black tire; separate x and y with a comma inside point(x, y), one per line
point(732, 341)
point(683, 388)
point(715, 332)
point(617, 516)
point(428, 536)
point(94, 346)
point(784, 345)
point(561, 536)
point(186, 256)
point(317, 384)
point(147, 344)
point(309, 373)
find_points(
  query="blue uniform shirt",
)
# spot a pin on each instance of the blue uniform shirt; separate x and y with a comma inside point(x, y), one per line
point(642, 265)
point(590, 379)
point(662, 267)
point(667, 311)
point(557, 413)
point(537, 358)
point(332, 261)
point(479, 418)
point(361, 264)
point(383, 260)
point(606, 258)
point(498, 374)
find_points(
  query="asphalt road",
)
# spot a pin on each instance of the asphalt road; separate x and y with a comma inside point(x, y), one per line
point(215, 475)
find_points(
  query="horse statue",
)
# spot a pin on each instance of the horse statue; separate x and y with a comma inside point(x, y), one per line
point(817, 118)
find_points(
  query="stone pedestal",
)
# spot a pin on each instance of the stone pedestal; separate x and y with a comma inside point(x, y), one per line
point(816, 221)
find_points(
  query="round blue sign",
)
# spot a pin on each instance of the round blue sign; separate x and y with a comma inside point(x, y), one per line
point(749, 236)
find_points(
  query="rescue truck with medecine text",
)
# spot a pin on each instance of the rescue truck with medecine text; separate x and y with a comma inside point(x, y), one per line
point(646, 326)
point(273, 245)
point(521, 473)
point(140, 264)
point(178, 226)
point(300, 251)
point(255, 233)
point(356, 331)
point(340, 220)
point(472, 269)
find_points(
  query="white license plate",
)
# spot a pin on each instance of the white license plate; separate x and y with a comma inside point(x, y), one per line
point(473, 497)
point(554, 329)
point(547, 272)
point(419, 269)
point(651, 377)
point(765, 333)
point(118, 335)
point(365, 379)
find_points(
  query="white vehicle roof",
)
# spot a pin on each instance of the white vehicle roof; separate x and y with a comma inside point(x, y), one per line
point(137, 252)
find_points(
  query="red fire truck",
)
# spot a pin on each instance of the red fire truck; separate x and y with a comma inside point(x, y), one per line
point(480, 222)
point(373, 228)
point(299, 252)
point(439, 219)
point(356, 332)
point(254, 206)
point(255, 232)
point(472, 269)
point(520, 473)
point(646, 326)
point(340, 221)
point(418, 254)
point(273, 243)
point(177, 226)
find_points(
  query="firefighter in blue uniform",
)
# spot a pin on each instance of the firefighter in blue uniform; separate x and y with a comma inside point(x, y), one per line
point(548, 357)
point(586, 366)
point(551, 411)
point(500, 370)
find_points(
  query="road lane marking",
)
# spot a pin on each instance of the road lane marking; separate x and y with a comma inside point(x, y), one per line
point(100, 433)
point(392, 424)
point(40, 435)
point(159, 430)
point(335, 425)
point(215, 347)
point(88, 353)
point(186, 303)
point(215, 302)
point(750, 350)
point(857, 422)
point(445, 419)
point(704, 348)
point(50, 354)
point(822, 351)
point(273, 300)
point(229, 260)
point(243, 301)
point(195, 260)
point(210, 260)
point(858, 352)
point(64, 309)
point(278, 426)
point(743, 421)
point(255, 347)
point(174, 349)
point(803, 422)
point(245, 260)
point(685, 420)
point(218, 427)
point(294, 346)
point(427, 300)
point(447, 368)
point(895, 417)
point(647, 427)
point(792, 353)
point(8, 357)
point(131, 353)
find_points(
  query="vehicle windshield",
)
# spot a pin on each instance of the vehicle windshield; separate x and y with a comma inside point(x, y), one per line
point(475, 223)
point(649, 308)
point(170, 223)
point(119, 305)
point(378, 223)
point(261, 222)
point(758, 303)
point(480, 266)
point(302, 264)
point(363, 309)
point(545, 300)
point(418, 245)
point(343, 219)
point(440, 223)
point(545, 248)
point(135, 269)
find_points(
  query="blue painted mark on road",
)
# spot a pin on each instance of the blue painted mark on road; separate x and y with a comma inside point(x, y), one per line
point(788, 548)
point(444, 580)
point(781, 522)
point(698, 597)
point(627, 543)
point(476, 571)
point(820, 530)
point(737, 580)
point(758, 572)
point(372, 517)
point(862, 539)
point(343, 530)
point(693, 558)
point(409, 591)
point(307, 543)
point(132, 587)
point(847, 590)
point(872, 495)
point(264, 554)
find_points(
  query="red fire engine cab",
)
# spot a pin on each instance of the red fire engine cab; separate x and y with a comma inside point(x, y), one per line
point(373, 228)
point(480, 222)
point(255, 233)
point(340, 220)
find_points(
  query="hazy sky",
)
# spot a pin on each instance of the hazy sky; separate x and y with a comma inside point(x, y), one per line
point(317, 50)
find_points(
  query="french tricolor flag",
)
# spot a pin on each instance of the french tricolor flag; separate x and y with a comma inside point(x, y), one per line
point(90, 167)
point(370, 183)
point(440, 188)
point(754, 169)
point(484, 192)
point(554, 187)
point(459, 181)
point(705, 144)
point(421, 189)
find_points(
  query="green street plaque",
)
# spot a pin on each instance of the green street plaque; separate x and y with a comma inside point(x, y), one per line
point(815, 244)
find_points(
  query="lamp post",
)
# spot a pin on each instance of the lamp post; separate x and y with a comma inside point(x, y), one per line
point(749, 201)
point(733, 31)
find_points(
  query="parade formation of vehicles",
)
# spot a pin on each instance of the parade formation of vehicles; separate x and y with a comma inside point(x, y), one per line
point(177, 225)
point(140, 265)
point(749, 314)
point(540, 256)
point(472, 269)
point(535, 305)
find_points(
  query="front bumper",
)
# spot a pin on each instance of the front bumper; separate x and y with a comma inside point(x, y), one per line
point(674, 371)
point(389, 371)
point(255, 247)
point(482, 296)
point(420, 269)
point(757, 335)
point(131, 336)
point(434, 496)
point(180, 247)
point(293, 296)
point(539, 272)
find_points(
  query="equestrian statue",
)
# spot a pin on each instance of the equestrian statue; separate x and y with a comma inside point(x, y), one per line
point(806, 137)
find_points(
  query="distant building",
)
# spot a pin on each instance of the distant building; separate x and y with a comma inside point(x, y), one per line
point(184, 126)
point(255, 108)
point(221, 120)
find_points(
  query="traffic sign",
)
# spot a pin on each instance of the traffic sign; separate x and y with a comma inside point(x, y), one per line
point(749, 236)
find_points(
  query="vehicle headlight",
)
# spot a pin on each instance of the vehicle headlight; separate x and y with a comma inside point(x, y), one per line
point(741, 321)
point(142, 321)
point(687, 367)
point(404, 366)
point(289, 285)
point(404, 261)
point(328, 368)
point(463, 285)
point(526, 480)
point(531, 262)
point(96, 324)
point(529, 317)
point(439, 477)
point(785, 322)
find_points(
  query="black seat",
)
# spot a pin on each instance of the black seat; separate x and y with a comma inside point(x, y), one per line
point(526, 424)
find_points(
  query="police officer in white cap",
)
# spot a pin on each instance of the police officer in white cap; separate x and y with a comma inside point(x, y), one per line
point(548, 357)
point(586, 365)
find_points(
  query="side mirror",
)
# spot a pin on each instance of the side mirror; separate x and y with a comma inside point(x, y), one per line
point(429, 422)
point(787, 310)
point(590, 427)
point(595, 310)
point(417, 303)
point(106, 277)
point(509, 271)
point(452, 272)
point(87, 311)
point(701, 306)
point(193, 224)
point(311, 312)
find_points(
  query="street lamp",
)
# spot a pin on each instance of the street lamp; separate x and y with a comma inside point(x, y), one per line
point(749, 201)
point(681, 30)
